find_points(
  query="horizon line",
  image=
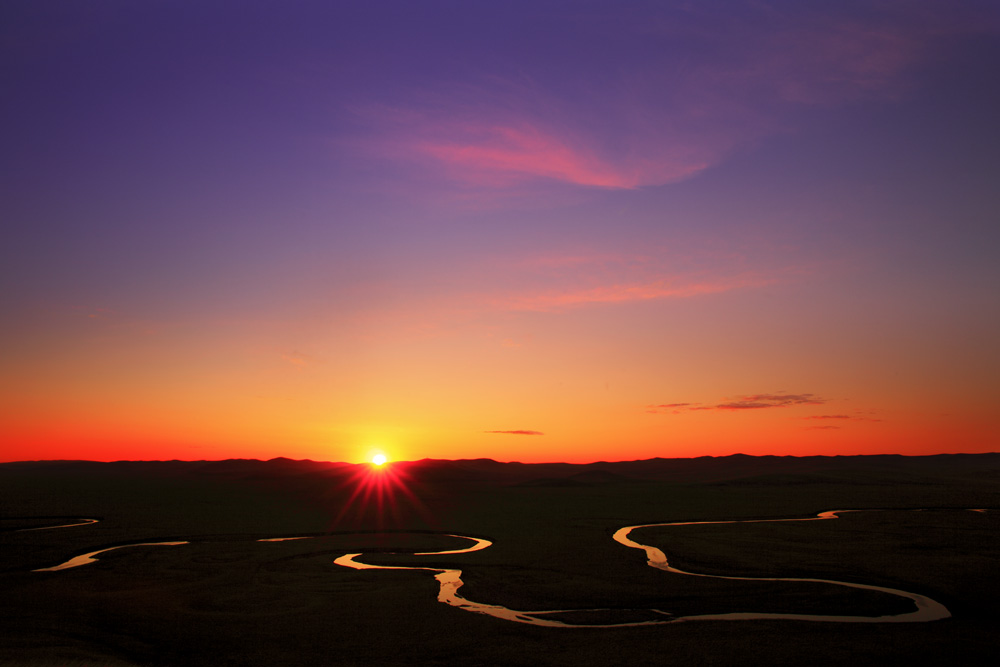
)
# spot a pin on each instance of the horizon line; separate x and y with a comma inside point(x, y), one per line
point(655, 458)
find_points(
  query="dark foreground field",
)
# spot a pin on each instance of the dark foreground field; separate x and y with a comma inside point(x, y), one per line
point(227, 599)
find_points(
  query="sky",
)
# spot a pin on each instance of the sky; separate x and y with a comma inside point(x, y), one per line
point(528, 230)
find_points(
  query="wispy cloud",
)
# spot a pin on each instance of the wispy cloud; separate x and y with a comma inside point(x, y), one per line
point(762, 401)
point(561, 282)
point(552, 300)
point(554, 283)
point(492, 154)
point(470, 143)
point(749, 402)
point(744, 76)
point(517, 432)
point(755, 402)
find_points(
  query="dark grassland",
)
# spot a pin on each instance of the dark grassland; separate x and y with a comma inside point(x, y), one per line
point(226, 599)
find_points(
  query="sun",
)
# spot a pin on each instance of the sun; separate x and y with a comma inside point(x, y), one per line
point(379, 459)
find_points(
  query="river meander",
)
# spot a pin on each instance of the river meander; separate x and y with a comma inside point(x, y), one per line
point(450, 581)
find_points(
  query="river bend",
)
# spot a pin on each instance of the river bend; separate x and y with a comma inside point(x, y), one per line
point(450, 581)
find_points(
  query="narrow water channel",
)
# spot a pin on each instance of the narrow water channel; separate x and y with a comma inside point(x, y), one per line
point(450, 581)
point(926, 608)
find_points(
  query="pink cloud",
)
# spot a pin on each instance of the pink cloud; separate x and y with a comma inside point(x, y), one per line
point(547, 283)
point(525, 152)
point(659, 120)
point(501, 151)
point(573, 297)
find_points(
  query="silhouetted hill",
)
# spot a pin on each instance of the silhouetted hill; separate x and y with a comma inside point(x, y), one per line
point(735, 469)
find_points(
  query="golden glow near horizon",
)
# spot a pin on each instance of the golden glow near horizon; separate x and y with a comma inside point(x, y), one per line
point(379, 459)
point(534, 273)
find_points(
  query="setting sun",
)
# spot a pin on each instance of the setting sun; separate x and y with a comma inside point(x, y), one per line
point(409, 332)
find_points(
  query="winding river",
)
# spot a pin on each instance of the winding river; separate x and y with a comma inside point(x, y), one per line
point(87, 558)
point(450, 581)
point(926, 608)
point(80, 522)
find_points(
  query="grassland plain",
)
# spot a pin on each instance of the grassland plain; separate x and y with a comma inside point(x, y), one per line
point(227, 599)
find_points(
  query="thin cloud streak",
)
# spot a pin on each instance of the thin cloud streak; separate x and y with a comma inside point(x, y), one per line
point(549, 301)
point(742, 403)
point(554, 284)
point(763, 401)
point(518, 432)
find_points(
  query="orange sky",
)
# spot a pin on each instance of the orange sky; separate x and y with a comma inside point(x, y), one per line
point(554, 235)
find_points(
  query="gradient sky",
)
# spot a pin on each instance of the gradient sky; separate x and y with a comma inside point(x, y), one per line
point(528, 231)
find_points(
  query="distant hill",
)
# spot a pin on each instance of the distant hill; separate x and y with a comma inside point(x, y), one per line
point(735, 469)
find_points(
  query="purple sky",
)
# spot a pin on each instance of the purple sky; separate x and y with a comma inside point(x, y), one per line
point(313, 228)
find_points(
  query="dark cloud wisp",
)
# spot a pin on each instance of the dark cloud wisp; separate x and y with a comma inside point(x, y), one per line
point(517, 432)
point(749, 402)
